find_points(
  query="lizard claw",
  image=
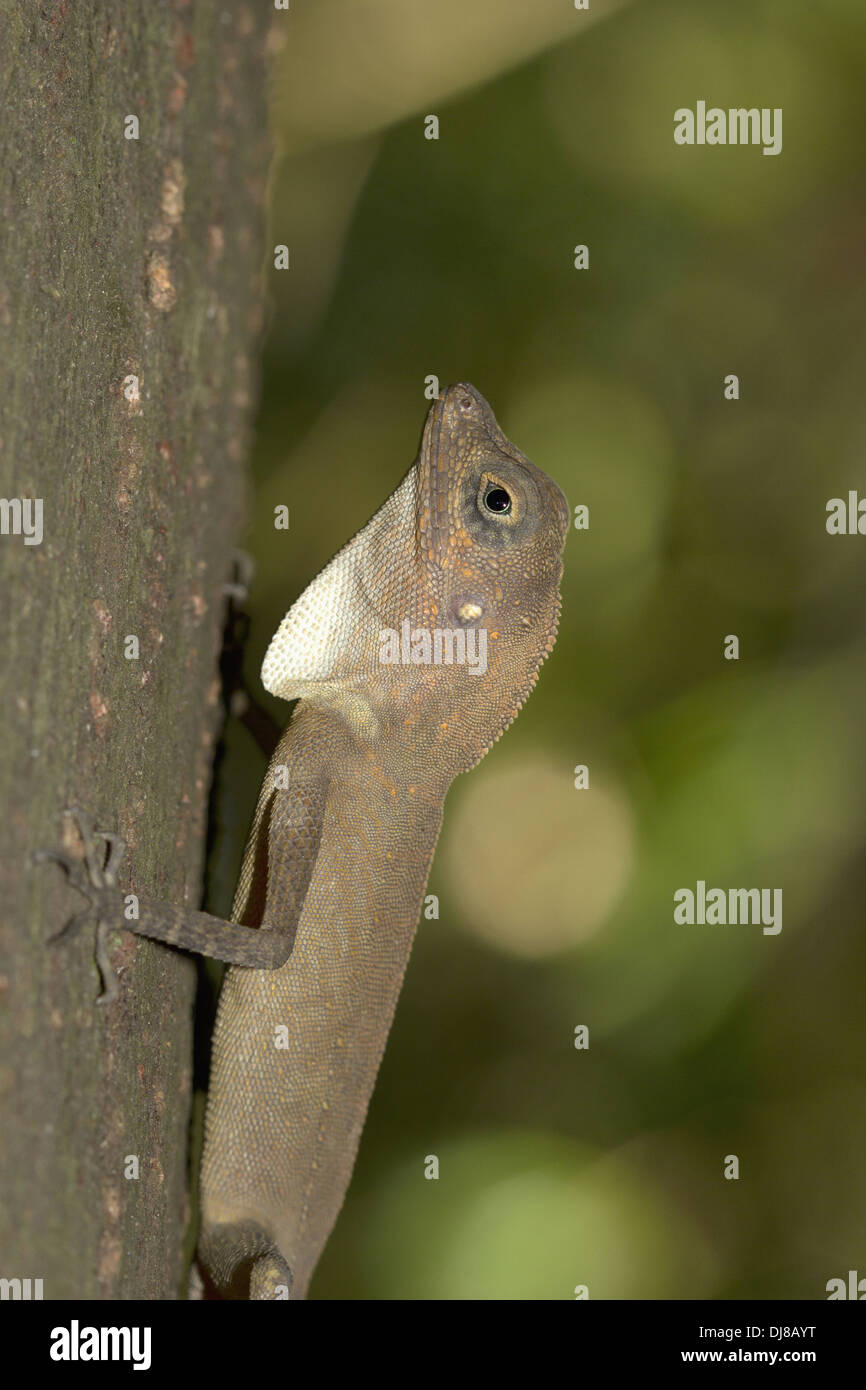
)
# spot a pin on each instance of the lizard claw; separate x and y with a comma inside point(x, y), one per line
point(95, 878)
point(54, 856)
point(238, 587)
point(72, 927)
point(102, 873)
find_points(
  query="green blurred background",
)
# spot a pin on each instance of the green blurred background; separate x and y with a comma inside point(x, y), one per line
point(411, 257)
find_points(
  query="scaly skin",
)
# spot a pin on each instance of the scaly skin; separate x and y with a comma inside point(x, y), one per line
point(336, 866)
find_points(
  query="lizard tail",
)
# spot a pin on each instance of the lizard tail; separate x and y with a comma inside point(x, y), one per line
point(241, 1260)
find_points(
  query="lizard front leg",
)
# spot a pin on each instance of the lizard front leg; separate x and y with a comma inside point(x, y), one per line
point(95, 877)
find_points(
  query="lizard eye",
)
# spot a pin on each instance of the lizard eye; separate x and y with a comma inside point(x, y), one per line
point(498, 506)
point(497, 500)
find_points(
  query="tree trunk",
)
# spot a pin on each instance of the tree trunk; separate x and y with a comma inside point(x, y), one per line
point(130, 303)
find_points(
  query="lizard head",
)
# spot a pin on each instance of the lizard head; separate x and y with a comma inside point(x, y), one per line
point(431, 624)
point(490, 534)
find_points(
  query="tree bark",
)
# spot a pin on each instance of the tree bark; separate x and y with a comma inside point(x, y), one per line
point(130, 305)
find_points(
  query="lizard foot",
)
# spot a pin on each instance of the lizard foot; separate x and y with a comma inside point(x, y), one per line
point(270, 1277)
point(95, 878)
point(243, 568)
point(241, 1260)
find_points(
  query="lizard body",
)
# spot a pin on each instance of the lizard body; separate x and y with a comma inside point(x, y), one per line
point(346, 825)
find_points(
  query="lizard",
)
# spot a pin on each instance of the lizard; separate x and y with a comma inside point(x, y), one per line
point(336, 865)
